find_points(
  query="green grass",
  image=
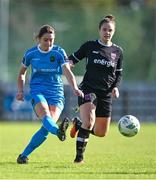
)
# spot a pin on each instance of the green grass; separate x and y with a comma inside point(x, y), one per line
point(112, 157)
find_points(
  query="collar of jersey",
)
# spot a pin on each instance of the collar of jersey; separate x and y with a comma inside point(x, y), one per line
point(104, 44)
point(38, 47)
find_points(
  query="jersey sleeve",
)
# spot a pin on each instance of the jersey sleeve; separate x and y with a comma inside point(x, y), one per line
point(120, 61)
point(26, 60)
point(64, 57)
point(118, 72)
point(79, 54)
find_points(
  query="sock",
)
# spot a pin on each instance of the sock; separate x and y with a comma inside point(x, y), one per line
point(50, 125)
point(92, 131)
point(38, 138)
point(78, 125)
point(81, 143)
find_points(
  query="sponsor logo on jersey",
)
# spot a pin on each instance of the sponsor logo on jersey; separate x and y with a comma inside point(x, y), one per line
point(104, 62)
point(44, 70)
point(52, 58)
point(35, 59)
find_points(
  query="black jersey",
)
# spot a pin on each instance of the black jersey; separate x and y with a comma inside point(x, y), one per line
point(103, 64)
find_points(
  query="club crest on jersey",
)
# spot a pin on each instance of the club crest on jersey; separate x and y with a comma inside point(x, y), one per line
point(113, 56)
point(32, 101)
point(52, 58)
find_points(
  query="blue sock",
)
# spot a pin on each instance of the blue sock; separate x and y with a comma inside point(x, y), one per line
point(50, 125)
point(38, 138)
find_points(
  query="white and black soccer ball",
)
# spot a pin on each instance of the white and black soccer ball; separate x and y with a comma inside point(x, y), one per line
point(128, 125)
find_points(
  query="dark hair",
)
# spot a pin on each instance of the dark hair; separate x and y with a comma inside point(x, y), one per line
point(107, 19)
point(45, 29)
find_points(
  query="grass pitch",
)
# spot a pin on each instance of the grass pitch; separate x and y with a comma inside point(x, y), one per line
point(112, 157)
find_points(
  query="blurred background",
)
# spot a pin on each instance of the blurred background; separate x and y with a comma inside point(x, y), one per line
point(76, 21)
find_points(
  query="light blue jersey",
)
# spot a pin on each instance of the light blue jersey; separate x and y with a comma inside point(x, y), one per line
point(46, 71)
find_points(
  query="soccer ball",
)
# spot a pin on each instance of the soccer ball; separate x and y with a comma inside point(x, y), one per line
point(128, 125)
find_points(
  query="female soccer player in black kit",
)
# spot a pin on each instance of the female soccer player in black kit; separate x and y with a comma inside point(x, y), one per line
point(99, 85)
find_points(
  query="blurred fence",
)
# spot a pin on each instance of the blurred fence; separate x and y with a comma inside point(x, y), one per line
point(137, 100)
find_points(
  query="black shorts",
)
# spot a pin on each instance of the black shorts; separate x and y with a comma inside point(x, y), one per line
point(103, 101)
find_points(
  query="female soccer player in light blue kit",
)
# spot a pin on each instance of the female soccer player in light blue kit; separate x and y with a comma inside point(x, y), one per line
point(47, 62)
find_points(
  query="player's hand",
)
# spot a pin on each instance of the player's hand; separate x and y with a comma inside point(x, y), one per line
point(71, 63)
point(115, 92)
point(78, 92)
point(20, 96)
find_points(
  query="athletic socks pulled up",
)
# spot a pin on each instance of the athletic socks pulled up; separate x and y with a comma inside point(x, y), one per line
point(38, 138)
point(50, 125)
point(41, 135)
point(81, 143)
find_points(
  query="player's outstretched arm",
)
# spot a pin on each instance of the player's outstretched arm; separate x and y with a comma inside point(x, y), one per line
point(72, 81)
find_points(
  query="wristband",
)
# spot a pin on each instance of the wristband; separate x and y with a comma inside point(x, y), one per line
point(20, 91)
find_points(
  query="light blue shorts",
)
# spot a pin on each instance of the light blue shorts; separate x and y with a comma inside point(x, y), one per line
point(50, 100)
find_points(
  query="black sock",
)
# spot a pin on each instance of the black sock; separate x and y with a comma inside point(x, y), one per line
point(82, 139)
point(78, 124)
point(92, 131)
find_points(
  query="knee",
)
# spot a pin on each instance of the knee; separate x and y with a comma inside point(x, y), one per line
point(41, 112)
point(87, 125)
